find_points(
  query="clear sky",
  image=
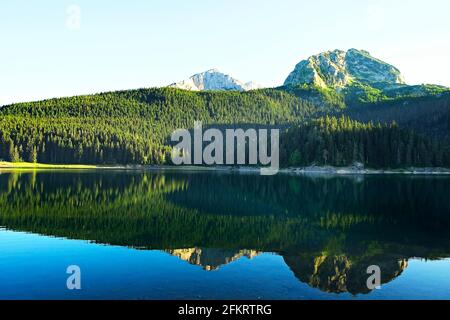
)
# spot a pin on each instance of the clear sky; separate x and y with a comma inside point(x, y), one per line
point(47, 52)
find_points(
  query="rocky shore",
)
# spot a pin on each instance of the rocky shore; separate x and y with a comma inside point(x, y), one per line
point(356, 169)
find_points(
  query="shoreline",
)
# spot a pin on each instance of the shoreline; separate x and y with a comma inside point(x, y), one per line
point(311, 170)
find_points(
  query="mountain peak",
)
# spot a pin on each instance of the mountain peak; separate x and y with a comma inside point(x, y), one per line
point(213, 79)
point(213, 70)
point(338, 68)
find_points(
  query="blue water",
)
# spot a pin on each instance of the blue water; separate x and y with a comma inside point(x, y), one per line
point(34, 267)
point(207, 236)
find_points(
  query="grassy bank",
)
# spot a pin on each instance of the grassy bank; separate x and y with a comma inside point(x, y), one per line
point(29, 165)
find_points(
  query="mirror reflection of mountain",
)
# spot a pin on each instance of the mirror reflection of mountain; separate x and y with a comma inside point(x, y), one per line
point(339, 273)
point(328, 230)
point(211, 259)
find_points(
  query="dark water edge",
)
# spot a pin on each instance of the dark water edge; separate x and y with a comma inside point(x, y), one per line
point(217, 235)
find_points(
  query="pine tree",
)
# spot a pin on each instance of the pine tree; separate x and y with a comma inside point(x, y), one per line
point(14, 155)
point(33, 155)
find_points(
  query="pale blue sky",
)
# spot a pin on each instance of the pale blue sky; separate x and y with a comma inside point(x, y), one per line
point(132, 44)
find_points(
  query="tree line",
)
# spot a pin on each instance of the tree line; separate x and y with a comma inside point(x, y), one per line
point(130, 127)
point(134, 127)
point(343, 141)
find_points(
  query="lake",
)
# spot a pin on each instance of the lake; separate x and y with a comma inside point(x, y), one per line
point(212, 235)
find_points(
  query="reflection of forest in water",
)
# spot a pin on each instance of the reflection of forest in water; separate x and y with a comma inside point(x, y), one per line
point(328, 230)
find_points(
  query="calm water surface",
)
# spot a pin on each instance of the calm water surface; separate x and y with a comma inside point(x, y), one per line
point(143, 235)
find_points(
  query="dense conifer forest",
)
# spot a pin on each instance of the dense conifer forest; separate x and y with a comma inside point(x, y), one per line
point(342, 141)
point(134, 126)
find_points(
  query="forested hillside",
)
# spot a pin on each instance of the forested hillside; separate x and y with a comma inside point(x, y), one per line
point(134, 126)
point(428, 115)
point(131, 126)
point(342, 141)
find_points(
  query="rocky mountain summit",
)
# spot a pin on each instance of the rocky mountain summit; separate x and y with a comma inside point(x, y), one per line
point(214, 80)
point(352, 75)
point(338, 69)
